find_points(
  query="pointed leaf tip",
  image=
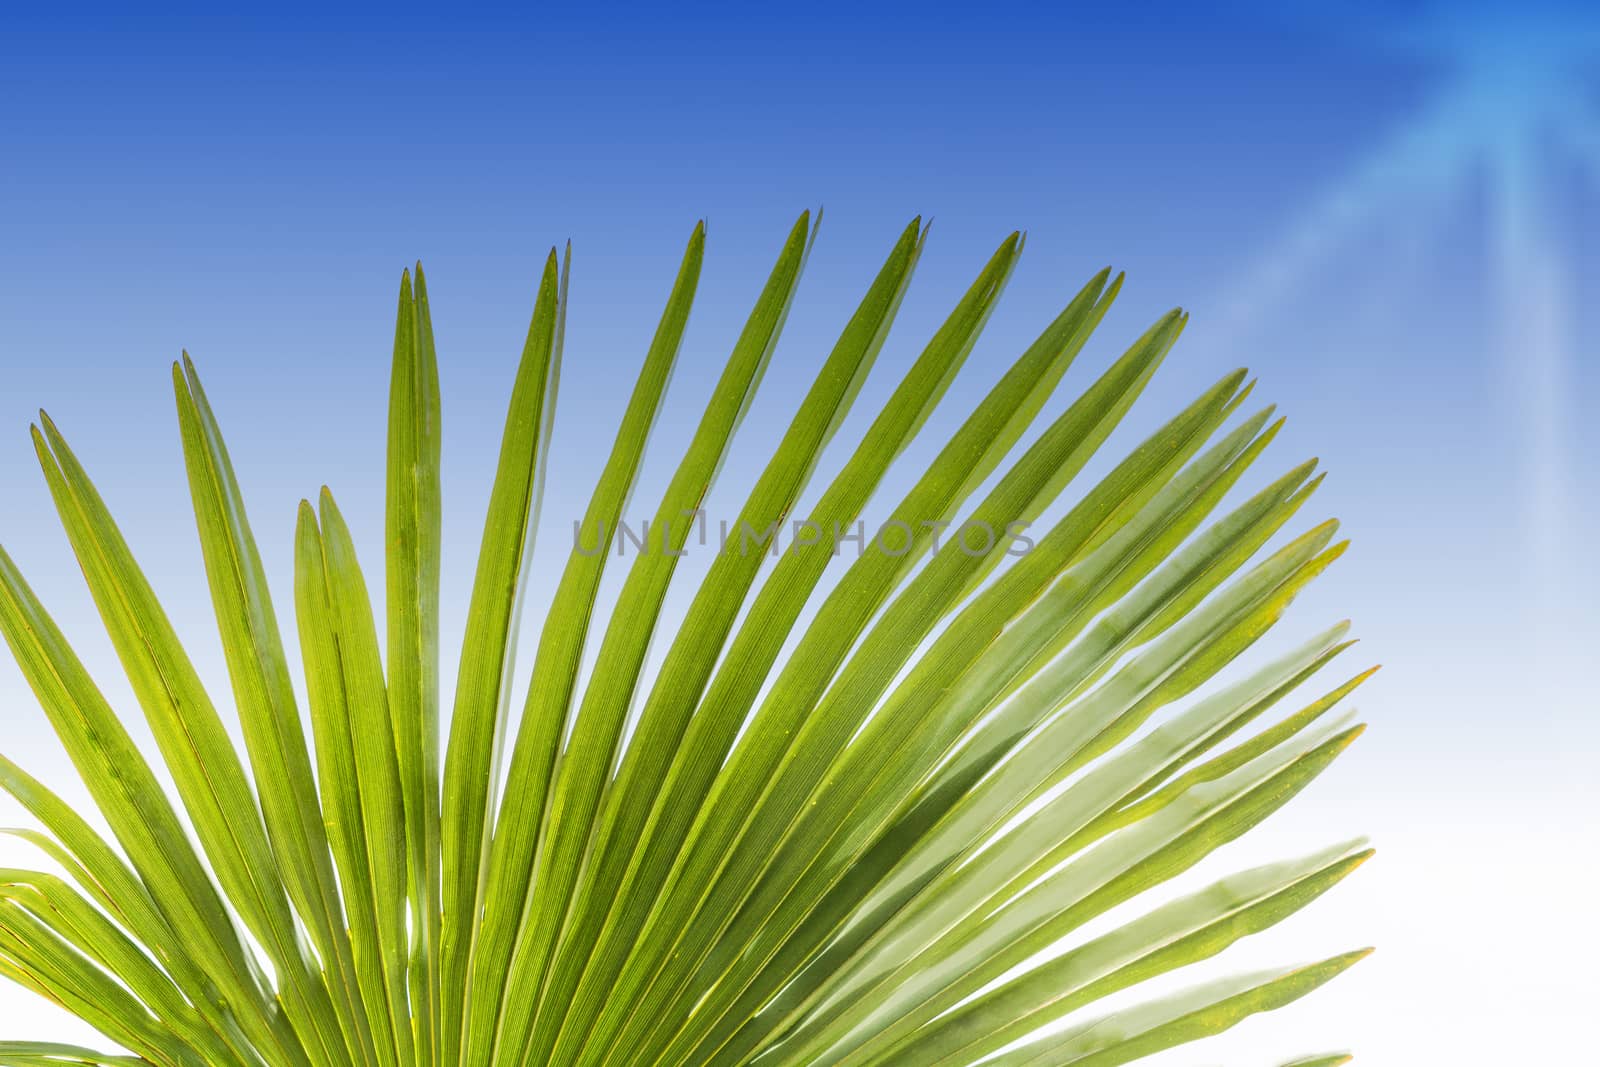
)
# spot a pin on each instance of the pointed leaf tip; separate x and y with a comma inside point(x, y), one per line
point(1341, 741)
point(1302, 469)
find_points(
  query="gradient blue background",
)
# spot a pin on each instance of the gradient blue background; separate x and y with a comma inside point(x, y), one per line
point(1391, 218)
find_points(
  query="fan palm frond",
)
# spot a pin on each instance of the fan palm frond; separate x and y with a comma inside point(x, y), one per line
point(893, 845)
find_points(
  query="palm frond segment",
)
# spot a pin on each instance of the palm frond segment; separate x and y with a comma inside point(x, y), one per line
point(954, 821)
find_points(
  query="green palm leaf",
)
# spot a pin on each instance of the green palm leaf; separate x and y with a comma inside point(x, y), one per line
point(887, 847)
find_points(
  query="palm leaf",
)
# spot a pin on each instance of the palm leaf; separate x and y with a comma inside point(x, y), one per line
point(892, 846)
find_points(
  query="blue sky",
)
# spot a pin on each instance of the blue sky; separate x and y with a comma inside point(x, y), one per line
point(1384, 215)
